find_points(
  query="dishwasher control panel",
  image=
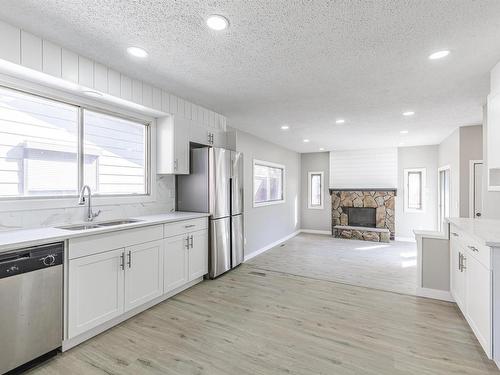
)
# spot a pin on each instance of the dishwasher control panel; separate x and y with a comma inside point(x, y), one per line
point(30, 259)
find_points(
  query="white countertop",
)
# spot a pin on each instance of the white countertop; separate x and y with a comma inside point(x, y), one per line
point(431, 234)
point(30, 237)
point(485, 230)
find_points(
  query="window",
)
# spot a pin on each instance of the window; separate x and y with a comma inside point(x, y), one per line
point(40, 141)
point(315, 190)
point(414, 189)
point(268, 183)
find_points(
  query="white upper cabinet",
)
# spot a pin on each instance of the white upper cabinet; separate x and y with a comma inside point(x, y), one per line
point(172, 147)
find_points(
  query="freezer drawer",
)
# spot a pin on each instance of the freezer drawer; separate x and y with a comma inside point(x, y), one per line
point(237, 240)
point(220, 247)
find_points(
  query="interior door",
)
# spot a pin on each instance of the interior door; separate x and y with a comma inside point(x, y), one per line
point(96, 291)
point(444, 196)
point(477, 190)
point(176, 262)
point(220, 246)
point(237, 240)
point(143, 273)
point(237, 183)
point(220, 174)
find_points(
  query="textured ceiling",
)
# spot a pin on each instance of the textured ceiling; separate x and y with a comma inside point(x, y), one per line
point(301, 63)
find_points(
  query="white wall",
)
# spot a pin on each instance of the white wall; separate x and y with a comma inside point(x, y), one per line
point(417, 157)
point(316, 219)
point(491, 199)
point(267, 224)
point(367, 168)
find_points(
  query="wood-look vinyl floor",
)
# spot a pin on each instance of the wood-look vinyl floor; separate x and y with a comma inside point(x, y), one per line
point(255, 321)
point(387, 266)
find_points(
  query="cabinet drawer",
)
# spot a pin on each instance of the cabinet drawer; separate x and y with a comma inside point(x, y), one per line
point(93, 244)
point(473, 247)
point(180, 227)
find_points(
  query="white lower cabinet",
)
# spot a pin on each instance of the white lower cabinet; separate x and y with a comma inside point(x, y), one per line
point(186, 258)
point(471, 285)
point(143, 273)
point(95, 291)
point(176, 262)
point(110, 282)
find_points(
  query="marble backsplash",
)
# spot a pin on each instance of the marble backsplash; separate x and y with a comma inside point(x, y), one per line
point(165, 202)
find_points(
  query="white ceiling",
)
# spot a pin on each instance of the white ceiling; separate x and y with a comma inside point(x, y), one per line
point(301, 63)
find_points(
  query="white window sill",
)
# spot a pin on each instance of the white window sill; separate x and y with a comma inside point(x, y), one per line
point(262, 204)
point(315, 207)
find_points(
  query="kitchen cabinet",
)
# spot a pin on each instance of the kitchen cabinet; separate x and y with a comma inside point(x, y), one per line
point(176, 262)
point(471, 284)
point(95, 290)
point(201, 134)
point(143, 273)
point(172, 134)
point(198, 254)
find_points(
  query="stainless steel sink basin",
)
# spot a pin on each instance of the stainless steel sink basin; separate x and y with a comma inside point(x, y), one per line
point(117, 222)
point(99, 225)
point(80, 227)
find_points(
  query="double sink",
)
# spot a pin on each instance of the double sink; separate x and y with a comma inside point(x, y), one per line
point(104, 224)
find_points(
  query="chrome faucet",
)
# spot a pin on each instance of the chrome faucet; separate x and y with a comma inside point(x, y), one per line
point(81, 202)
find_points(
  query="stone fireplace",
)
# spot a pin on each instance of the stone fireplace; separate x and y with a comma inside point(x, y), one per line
point(366, 214)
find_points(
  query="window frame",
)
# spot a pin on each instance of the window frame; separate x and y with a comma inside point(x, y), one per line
point(283, 183)
point(423, 172)
point(66, 201)
point(322, 190)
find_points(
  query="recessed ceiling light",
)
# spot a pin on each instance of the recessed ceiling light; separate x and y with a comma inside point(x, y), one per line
point(217, 22)
point(408, 113)
point(340, 121)
point(439, 55)
point(285, 127)
point(137, 52)
point(306, 140)
point(404, 131)
point(322, 149)
point(94, 94)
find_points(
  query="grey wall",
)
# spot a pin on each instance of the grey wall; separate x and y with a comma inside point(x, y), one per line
point(267, 224)
point(471, 148)
point(315, 219)
point(449, 154)
point(417, 157)
point(491, 199)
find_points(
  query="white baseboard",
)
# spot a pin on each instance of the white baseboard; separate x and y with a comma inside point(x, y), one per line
point(314, 231)
point(270, 246)
point(435, 294)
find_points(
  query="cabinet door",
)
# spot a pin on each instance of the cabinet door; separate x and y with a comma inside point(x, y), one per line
point(95, 290)
point(198, 254)
point(198, 134)
point(457, 281)
point(143, 273)
point(181, 146)
point(478, 301)
point(175, 262)
point(219, 138)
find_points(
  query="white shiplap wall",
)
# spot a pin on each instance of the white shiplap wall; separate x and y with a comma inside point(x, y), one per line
point(30, 51)
point(364, 169)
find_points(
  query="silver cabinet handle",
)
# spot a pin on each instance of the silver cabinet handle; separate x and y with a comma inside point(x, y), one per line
point(464, 259)
point(473, 248)
point(455, 234)
point(187, 242)
point(176, 163)
point(129, 259)
point(460, 262)
point(191, 242)
point(209, 138)
point(122, 261)
point(189, 226)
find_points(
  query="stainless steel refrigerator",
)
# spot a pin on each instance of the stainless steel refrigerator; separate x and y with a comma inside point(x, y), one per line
point(215, 185)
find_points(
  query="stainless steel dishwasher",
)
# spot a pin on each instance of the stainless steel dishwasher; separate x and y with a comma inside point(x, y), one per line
point(31, 309)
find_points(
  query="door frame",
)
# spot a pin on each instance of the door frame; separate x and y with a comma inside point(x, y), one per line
point(472, 185)
point(441, 169)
